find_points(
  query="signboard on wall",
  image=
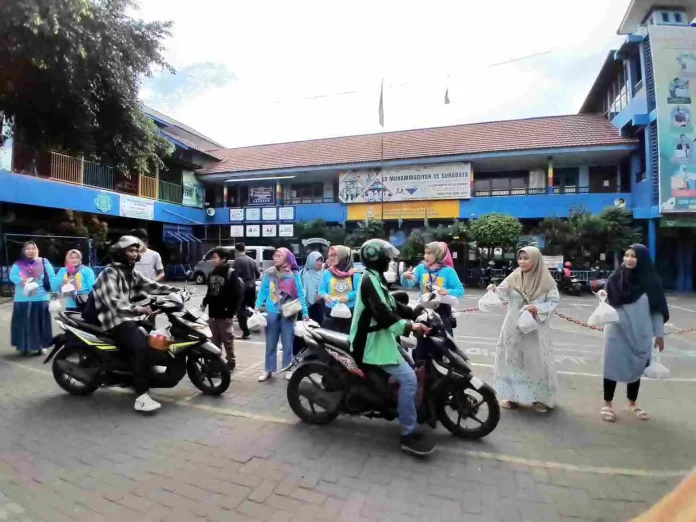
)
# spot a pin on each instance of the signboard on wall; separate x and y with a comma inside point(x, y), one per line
point(553, 261)
point(262, 195)
point(674, 65)
point(404, 210)
point(253, 214)
point(253, 231)
point(194, 193)
point(269, 213)
point(236, 214)
point(269, 230)
point(286, 213)
point(287, 231)
point(236, 230)
point(136, 208)
point(416, 182)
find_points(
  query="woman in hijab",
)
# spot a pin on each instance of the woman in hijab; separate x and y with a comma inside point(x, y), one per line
point(339, 284)
point(524, 365)
point(635, 291)
point(32, 275)
point(436, 271)
point(280, 287)
point(73, 279)
point(312, 275)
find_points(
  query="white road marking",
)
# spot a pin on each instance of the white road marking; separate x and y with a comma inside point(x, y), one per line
point(682, 308)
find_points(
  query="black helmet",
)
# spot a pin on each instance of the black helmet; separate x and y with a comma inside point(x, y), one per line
point(376, 253)
point(118, 249)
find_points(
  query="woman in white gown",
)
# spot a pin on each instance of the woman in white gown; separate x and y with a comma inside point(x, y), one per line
point(524, 365)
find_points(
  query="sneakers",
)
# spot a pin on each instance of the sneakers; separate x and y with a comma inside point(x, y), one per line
point(288, 376)
point(145, 403)
point(417, 443)
point(264, 376)
point(231, 365)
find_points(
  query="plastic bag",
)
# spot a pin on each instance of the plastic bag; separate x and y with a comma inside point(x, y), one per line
point(257, 320)
point(430, 300)
point(657, 370)
point(341, 311)
point(160, 339)
point(54, 306)
point(526, 323)
point(30, 287)
point(603, 314)
point(449, 300)
point(490, 302)
point(67, 288)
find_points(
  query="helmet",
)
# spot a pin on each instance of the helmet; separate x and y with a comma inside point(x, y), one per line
point(376, 253)
point(568, 264)
point(118, 249)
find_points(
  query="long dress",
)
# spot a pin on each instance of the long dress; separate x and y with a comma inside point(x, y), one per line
point(525, 369)
point(628, 343)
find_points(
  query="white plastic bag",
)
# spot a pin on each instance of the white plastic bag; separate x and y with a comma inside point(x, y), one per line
point(257, 320)
point(54, 306)
point(490, 302)
point(603, 314)
point(341, 311)
point(430, 300)
point(657, 370)
point(30, 287)
point(526, 323)
point(449, 300)
point(67, 288)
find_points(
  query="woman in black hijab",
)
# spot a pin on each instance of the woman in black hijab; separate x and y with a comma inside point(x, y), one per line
point(635, 291)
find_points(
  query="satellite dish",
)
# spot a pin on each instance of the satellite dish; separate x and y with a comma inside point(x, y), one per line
point(620, 202)
point(210, 211)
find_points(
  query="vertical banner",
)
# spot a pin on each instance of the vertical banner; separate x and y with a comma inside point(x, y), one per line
point(674, 66)
point(194, 193)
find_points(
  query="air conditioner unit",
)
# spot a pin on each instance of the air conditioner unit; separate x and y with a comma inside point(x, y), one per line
point(210, 211)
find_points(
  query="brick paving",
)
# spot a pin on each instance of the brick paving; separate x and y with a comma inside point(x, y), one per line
point(244, 456)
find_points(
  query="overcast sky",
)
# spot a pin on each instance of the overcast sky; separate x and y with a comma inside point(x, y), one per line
point(256, 71)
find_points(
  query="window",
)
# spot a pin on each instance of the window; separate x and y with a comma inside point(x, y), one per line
point(565, 181)
point(641, 174)
point(268, 254)
point(307, 192)
point(251, 253)
point(678, 18)
point(665, 17)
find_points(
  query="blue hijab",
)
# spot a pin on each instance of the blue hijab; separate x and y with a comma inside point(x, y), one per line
point(311, 278)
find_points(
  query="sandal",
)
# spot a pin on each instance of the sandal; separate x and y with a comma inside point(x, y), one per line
point(540, 407)
point(508, 405)
point(607, 414)
point(640, 414)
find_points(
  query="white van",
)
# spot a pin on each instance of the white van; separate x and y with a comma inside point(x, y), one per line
point(263, 255)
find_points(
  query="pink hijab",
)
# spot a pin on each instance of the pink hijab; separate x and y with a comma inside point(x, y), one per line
point(442, 255)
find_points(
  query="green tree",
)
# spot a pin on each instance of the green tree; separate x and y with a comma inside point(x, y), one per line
point(559, 235)
point(370, 230)
point(70, 72)
point(495, 230)
point(336, 235)
point(619, 232)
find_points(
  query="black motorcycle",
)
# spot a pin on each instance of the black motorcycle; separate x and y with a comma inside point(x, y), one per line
point(328, 382)
point(85, 358)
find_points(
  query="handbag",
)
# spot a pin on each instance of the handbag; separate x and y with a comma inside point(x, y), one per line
point(291, 308)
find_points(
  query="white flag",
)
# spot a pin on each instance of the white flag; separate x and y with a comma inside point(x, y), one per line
point(381, 104)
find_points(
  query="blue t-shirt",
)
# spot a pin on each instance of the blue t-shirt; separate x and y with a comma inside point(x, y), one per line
point(42, 267)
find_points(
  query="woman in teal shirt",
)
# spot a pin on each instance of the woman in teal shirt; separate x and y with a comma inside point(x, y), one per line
point(31, 330)
point(436, 271)
point(75, 274)
point(339, 284)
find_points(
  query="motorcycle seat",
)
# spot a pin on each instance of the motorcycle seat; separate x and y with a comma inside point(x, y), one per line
point(76, 317)
point(337, 339)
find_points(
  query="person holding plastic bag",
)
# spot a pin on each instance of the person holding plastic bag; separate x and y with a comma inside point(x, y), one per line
point(339, 286)
point(30, 329)
point(525, 371)
point(283, 296)
point(436, 274)
point(74, 279)
point(636, 293)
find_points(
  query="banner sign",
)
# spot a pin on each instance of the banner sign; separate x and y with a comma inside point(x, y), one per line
point(269, 230)
point(553, 261)
point(269, 213)
point(286, 213)
point(194, 193)
point(405, 210)
point(262, 195)
point(253, 230)
point(416, 182)
point(136, 208)
point(674, 65)
point(253, 214)
point(236, 231)
point(286, 230)
point(236, 214)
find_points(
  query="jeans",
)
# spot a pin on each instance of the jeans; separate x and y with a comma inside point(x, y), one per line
point(408, 386)
point(131, 340)
point(282, 328)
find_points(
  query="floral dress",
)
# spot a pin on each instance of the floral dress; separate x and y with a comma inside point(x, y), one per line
point(525, 369)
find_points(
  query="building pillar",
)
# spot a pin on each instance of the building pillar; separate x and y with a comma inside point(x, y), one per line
point(689, 267)
point(681, 262)
point(224, 196)
point(652, 238)
point(549, 171)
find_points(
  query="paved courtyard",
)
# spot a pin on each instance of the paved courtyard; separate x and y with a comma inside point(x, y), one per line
point(244, 456)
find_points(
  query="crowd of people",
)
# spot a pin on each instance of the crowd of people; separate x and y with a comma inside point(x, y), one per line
point(524, 368)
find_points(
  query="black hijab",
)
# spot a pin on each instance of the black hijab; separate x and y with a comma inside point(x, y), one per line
point(625, 286)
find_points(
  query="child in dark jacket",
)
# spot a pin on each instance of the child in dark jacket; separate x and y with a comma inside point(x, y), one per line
point(222, 301)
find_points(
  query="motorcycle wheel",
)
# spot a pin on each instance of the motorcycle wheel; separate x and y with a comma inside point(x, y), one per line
point(321, 377)
point(466, 404)
point(82, 356)
point(209, 373)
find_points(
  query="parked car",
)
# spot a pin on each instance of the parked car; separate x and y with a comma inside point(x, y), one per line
point(263, 255)
point(391, 275)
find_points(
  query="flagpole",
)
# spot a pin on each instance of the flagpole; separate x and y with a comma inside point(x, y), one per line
point(381, 160)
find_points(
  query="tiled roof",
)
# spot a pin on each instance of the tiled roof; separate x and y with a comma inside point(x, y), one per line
point(578, 130)
point(175, 123)
point(189, 144)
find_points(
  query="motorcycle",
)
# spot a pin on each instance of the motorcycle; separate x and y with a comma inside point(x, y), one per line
point(332, 383)
point(85, 358)
point(570, 285)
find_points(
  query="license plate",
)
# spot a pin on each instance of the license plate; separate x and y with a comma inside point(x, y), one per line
point(476, 382)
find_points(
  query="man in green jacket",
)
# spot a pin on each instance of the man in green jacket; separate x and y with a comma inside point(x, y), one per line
point(373, 334)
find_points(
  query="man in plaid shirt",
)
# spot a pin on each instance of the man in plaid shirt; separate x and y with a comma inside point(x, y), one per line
point(114, 292)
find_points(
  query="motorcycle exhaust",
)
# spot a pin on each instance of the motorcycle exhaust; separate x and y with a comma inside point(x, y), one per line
point(327, 400)
point(83, 375)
